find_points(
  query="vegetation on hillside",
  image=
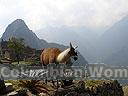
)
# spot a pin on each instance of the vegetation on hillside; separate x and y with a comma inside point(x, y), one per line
point(17, 45)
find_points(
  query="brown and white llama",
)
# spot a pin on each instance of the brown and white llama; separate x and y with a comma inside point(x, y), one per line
point(55, 55)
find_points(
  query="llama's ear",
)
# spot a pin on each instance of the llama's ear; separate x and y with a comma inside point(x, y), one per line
point(70, 45)
point(75, 47)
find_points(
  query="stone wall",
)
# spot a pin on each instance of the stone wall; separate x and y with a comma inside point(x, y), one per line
point(105, 88)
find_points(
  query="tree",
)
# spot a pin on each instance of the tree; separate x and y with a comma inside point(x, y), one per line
point(17, 46)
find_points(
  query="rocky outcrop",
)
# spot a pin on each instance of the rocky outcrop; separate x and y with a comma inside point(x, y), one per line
point(71, 90)
point(107, 88)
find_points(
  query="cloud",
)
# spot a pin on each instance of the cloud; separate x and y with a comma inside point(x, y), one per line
point(42, 13)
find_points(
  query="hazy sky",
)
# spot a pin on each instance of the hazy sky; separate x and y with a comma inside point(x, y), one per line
point(41, 13)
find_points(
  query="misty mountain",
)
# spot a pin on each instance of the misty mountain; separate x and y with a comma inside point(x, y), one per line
point(79, 36)
point(112, 46)
point(19, 29)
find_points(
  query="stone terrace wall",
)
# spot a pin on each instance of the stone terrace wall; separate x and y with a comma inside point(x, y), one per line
point(105, 88)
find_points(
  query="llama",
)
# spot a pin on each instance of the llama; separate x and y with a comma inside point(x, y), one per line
point(55, 55)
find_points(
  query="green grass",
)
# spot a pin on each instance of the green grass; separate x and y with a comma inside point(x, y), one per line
point(22, 62)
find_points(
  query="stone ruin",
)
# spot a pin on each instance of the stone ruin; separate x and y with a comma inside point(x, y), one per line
point(106, 88)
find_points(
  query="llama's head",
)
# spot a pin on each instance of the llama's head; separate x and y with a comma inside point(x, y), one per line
point(73, 52)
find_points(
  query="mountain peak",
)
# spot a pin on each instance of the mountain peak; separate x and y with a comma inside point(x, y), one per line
point(16, 29)
point(19, 29)
point(18, 23)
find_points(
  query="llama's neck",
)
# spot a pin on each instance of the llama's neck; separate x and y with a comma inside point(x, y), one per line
point(63, 56)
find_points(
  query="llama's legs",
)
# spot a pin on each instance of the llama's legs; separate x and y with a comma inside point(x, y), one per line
point(45, 67)
point(46, 81)
point(53, 83)
point(57, 84)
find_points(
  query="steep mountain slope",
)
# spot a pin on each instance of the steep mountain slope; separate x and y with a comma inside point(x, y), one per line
point(112, 47)
point(118, 58)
